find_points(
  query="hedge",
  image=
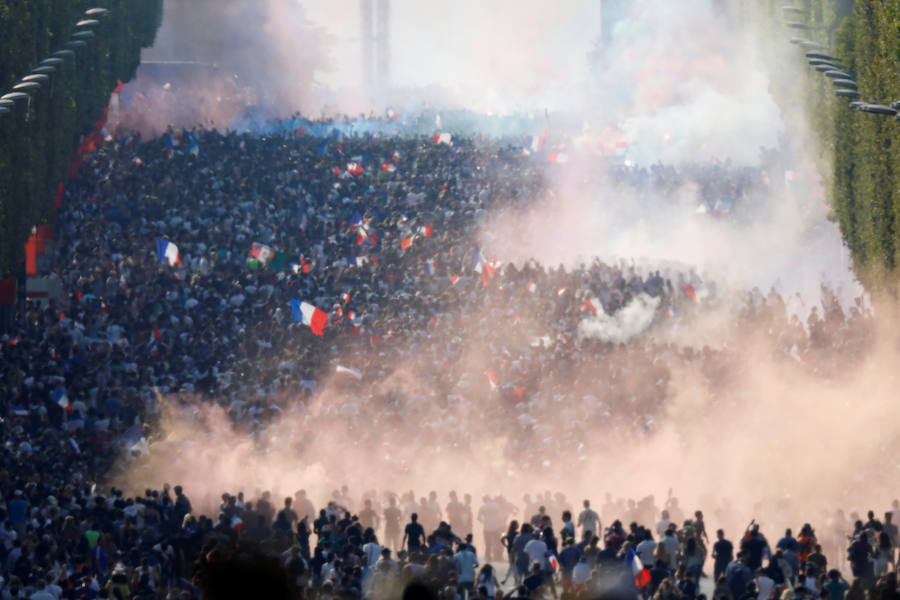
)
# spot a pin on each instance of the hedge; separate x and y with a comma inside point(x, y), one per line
point(36, 142)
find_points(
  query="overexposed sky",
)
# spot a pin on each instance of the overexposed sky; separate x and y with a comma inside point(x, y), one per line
point(508, 43)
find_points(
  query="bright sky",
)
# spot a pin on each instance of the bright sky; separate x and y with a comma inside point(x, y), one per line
point(508, 43)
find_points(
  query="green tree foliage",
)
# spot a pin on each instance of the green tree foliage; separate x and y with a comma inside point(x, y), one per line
point(859, 153)
point(36, 143)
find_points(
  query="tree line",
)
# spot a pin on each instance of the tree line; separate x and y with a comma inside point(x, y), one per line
point(37, 140)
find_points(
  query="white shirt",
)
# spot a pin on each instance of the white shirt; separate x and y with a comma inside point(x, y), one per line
point(765, 585)
point(466, 562)
point(645, 552)
point(581, 573)
point(373, 553)
point(536, 551)
point(589, 520)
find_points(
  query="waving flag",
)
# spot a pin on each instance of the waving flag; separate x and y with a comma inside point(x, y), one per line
point(443, 138)
point(193, 146)
point(388, 167)
point(354, 373)
point(167, 252)
point(532, 287)
point(406, 243)
point(638, 570)
point(268, 256)
point(309, 315)
point(355, 167)
point(454, 279)
point(391, 114)
point(430, 267)
point(492, 378)
point(689, 292)
point(425, 230)
point(557, 158)
point(477, 260)
point(323, 147)
point(60, 396)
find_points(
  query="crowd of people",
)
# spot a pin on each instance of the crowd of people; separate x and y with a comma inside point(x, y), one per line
point(381, 234)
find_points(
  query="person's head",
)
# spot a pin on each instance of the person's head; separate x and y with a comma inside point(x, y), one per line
point(888, 516)
point(288, 501)
point(665, 515)
point(566, 516)
point(587, 504)
point(720, 533)
point(834, 575)
point(414, 517)
point(698, 514)
point(871, 515)
point(787, 532)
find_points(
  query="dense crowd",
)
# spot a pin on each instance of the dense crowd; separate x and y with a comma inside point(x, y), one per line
point(380, 233)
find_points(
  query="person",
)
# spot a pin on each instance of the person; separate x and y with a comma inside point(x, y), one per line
point(508, 540)
point(765, 586)
point(738, 575)
point(521, 557)
point(890, 528)
point(754, 547)
point(456, 514)
point(368, 518)
point(859, 554)
point(568, 559)
point(723, 554)
point(567, 531)
point(646, 547)
point(835, 586)
point(488, 580)
point(465, 563)
point(413, 535)
point(492, 521)
point(588, 520)
point(392, 516)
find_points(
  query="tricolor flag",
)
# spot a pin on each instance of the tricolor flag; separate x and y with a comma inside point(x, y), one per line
point(588, 305)
point(454, 279)
point(355, 167)
point(388, 167)
point(405, 243)
point(557, 157)
point(532, 287)
point(193, 146)
point(638, 570)
point(309, 315)
point(492, 378)
point(443, 138)
point(167, 252)
point(486, 273)
point(477, 260)
point(689, 292)
point(536, 143)
point(59, 396)
point(430, 267)
point(391, 114)
point(425, 230)
point(341, 370)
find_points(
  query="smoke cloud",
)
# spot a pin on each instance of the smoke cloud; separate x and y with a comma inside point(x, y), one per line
point(771, 434)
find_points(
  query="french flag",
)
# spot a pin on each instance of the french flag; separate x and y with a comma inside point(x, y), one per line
point(536, 143)
point(430, 267)
point(638, 570)
point(425, 230)
point(454, 279)
point(477, 260)
point(443, 138)
point(355, 167)
point(60, 397)
point(193, 147)
point(492, 378)
point(167, 252)
point(532, 287)
point(388, 167)
point(309, 315)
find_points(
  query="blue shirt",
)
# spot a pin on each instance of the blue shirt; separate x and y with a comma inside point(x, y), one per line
point(18, 511)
